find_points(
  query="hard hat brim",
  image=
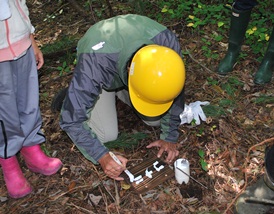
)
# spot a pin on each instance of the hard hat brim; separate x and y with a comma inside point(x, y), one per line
point(146, 108)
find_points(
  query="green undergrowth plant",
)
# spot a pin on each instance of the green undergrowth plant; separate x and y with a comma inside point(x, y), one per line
point(63, 69)
point(61, 44)
point(228, 102)
point(126, 140)
point(213, 110)
point(203, 162)
point(206, 48)
point(232, 88)
point(196, 13)
point(211, 21)
point(200, 131)
point(62, 51)
point(264, 99)
point(208, 20)
point(45, 150)
point(98, 11)
point(260, 28)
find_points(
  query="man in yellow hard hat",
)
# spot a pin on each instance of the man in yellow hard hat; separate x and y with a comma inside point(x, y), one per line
point(138, 60)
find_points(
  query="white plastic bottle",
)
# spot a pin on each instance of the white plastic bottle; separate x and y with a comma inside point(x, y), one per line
point(179, 166)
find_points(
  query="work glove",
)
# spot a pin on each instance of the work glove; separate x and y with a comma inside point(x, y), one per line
point(193, 111)
point(4, 10)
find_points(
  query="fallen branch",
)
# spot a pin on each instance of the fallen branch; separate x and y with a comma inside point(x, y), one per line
point(203, 66)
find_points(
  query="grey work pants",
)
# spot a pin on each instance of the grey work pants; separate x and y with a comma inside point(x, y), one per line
point(20, 118)
point(103, 118)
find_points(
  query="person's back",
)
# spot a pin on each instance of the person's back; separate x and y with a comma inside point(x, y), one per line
point(119, 37)
point(105, 66)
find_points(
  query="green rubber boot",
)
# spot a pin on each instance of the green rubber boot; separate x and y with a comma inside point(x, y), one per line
point(238, 25)
point(258, 198)
point(247, 203)
point(264, 74)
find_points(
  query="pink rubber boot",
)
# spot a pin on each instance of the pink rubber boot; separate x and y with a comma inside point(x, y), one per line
point(16, 183)
point(37, 161)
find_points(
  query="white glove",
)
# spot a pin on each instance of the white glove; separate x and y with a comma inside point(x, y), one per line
point(187, 115)
point(193, 111)
point(4, 10)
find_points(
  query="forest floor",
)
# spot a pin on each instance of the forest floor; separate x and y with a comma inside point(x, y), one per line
point(231, 144)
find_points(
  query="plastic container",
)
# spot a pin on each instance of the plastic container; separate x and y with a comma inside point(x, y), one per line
point(181, 168)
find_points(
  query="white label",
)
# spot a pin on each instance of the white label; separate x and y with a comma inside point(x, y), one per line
point(235, 14)
point(131, 71)
point(98, 46)
point(149, 173)
point(158, 168)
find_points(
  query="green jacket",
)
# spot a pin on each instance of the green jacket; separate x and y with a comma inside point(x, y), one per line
point(102, 57)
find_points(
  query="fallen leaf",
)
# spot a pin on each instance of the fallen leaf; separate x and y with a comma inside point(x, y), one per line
point(71, 185)
point(125, 186)
point(95, 199)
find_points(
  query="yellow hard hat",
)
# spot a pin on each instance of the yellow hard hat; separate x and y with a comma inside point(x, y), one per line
point(156, 77)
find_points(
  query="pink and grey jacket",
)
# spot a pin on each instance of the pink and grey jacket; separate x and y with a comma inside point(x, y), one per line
point(15, 31)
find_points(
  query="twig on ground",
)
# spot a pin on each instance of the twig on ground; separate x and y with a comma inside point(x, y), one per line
point(259, 144)
point(154, 132)
point(92, 203)
point(45, 210)
point(143, 200)
point(203, 66)
point(108, 192)
point(73, 190)
point(117, 197)
point(105, 200)
point(158, 212)
point(80, 208)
